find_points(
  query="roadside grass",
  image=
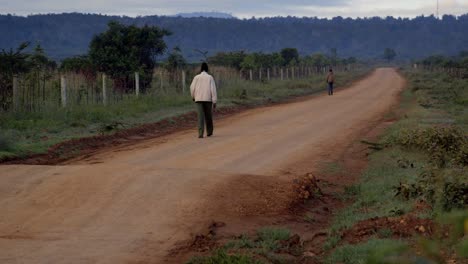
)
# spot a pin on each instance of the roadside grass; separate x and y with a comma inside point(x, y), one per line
point(373, 251)
point(375, 197)
point(264, 247)
point(222, 257)
point(432, 102)
point(26, 133)
point(331, 167)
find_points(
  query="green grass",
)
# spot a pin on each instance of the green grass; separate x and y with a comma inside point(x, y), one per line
point(243, 242)
point(222, 257)
point(373, 251)
point(262, 247)
point(432, 99)
point(374, 196)
point(331, 167)
point(24, 133)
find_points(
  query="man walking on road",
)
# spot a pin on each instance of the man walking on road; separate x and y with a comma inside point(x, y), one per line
point(330, 81)
point(203, 91)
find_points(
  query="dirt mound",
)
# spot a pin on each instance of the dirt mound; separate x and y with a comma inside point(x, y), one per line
point(306, 188)
point(201, 242)
point(252, 195)
point(405, 226)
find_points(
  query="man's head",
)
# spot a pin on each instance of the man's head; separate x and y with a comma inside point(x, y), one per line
point(204, 67)
point(331, 70)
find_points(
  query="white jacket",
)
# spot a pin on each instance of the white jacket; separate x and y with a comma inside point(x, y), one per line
point(203, 88)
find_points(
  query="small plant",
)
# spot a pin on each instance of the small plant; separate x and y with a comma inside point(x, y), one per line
point(242, 242)
point(222, 257)
point(309, 218)
point(385, 233)
point(6, 143)
point(273, 234)
point(107, 128)
point(331, 242)
point(396, 212)
point(455, 196)
point(352, 190)
point(270, 244)
point(408, 191)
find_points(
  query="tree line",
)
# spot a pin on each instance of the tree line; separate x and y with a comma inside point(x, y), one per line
point(455, 62)
point(65, 35)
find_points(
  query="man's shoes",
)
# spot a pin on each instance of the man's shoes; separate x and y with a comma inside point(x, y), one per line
point(200, 136)
point(209, 135)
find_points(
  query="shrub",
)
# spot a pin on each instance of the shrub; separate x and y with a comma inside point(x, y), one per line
point(6, 142)
point(444, 144)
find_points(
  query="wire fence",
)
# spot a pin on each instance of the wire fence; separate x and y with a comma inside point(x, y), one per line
point(455, 72)
point(41, 90)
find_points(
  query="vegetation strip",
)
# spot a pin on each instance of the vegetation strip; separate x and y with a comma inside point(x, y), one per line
point(416, 183)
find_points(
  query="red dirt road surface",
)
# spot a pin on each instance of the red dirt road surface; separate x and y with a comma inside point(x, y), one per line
point(132, 204)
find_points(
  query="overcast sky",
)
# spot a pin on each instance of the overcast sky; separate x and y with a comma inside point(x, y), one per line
point(240, 8)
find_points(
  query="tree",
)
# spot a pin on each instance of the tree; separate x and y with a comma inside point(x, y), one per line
point(463, 54)
point(39, 61)
point(175, 60)
point(464, 63)
point(12, 62)
point(319, 60)
point(350, 60)
point(229, 59)
point(80, 64)
point(249, 62)
point(389, 54)
point(289, 55)
point(41, 67)
point(122, 50)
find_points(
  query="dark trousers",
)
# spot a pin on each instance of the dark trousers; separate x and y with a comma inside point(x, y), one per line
point(330, 88)
point(204, 112)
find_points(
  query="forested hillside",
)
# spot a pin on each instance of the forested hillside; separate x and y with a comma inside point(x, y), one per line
point(64, 35)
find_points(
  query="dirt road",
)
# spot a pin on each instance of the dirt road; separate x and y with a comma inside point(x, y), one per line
point(131, 204)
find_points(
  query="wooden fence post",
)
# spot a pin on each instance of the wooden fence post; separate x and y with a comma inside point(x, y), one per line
point(15, 93)
point(63, 90)
point(104, 89)
point(183, 81)
point(292, 73)
point(160, 79)
point(260, 74)
point(282, 77)
point(268, 74)
point(137, 84)
point(251, 75)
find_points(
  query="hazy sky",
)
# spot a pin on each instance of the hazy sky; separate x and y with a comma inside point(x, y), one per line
point(240, 8)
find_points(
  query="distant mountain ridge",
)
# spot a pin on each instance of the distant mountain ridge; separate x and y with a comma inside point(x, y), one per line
point(205, 14)
point(65, 35)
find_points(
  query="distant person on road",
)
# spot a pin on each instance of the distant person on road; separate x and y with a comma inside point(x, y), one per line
point(330, 81)
point(203, 91)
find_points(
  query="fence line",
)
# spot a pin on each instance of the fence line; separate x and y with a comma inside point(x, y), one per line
point(456, 72)
point(32, 93)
